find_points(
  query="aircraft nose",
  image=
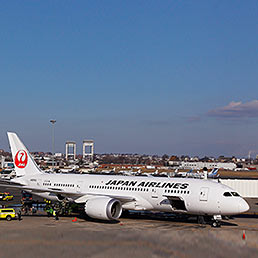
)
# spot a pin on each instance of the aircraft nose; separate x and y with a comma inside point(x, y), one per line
point(243, 206)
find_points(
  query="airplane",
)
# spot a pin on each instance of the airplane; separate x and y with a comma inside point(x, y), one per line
point(213, 173)
point(188, 173)
point(105, 196)
point(68, 169)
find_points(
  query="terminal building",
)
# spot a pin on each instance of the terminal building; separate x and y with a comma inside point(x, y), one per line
point(208, 165)
point(247, 188)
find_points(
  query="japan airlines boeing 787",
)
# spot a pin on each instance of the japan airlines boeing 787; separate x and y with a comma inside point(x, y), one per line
point(104, 197)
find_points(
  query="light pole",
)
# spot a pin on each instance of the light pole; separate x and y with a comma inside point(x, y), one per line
point(53, 140)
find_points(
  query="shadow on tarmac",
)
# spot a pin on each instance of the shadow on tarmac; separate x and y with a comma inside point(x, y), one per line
point(247, 216)
point(187, 219)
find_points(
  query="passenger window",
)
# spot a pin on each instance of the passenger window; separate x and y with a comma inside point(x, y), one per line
point(227, 194)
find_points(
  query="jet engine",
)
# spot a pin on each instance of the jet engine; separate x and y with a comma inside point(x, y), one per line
point(104, 208)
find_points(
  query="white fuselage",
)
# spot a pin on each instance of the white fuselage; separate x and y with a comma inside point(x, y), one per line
point(184, 195)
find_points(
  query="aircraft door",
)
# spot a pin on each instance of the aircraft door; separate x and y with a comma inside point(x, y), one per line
point(154, 193)
point(79, 186)
point(204, 191)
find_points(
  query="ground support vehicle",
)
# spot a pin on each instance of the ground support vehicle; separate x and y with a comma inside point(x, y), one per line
point(7, 213)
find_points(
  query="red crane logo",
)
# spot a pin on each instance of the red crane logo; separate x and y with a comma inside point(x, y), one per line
point(21, 159)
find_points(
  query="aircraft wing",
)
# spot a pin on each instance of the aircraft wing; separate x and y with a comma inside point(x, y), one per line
point(40, 190)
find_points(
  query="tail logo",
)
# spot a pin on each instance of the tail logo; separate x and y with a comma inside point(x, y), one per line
point(21, 159)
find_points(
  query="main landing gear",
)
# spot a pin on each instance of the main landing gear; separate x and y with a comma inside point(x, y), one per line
point(201, 220)
point(215, 221)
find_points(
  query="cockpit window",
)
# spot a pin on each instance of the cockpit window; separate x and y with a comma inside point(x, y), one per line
point(235, 194)
point(227, 194)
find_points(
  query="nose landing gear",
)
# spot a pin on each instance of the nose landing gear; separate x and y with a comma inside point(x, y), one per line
point(216, 224)
point(214, 221)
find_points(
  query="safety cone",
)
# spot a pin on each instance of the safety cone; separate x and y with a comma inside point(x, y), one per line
point(243, 235)
point(74, 220)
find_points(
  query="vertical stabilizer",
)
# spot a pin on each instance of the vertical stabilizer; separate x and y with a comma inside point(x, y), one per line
point(23, 162)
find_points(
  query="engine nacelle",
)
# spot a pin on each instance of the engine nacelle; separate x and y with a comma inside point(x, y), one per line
point(104, 208)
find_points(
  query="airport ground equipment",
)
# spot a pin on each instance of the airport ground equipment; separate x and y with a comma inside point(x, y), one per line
point(7, 213)
point(6, 196)
point(26, 197)
point(63, 208)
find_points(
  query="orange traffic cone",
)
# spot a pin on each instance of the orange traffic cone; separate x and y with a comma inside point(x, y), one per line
point(243, 235)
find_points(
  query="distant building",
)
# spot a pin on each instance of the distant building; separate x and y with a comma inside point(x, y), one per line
point(88, 149)
point(70, 150)
point(58, 155)
point(174, 161)
point(208, 165)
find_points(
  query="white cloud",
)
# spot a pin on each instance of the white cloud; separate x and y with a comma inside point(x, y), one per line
point(236, 110)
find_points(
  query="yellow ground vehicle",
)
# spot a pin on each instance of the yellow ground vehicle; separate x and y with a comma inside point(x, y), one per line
point(7, 213)
point(6, 197)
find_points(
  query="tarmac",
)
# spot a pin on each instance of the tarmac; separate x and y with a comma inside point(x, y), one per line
point(137, 235)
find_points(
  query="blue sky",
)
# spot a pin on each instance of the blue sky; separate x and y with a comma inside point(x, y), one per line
point(175, 77)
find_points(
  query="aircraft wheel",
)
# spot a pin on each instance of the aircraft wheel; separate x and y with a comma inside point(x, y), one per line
point(216, 224)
